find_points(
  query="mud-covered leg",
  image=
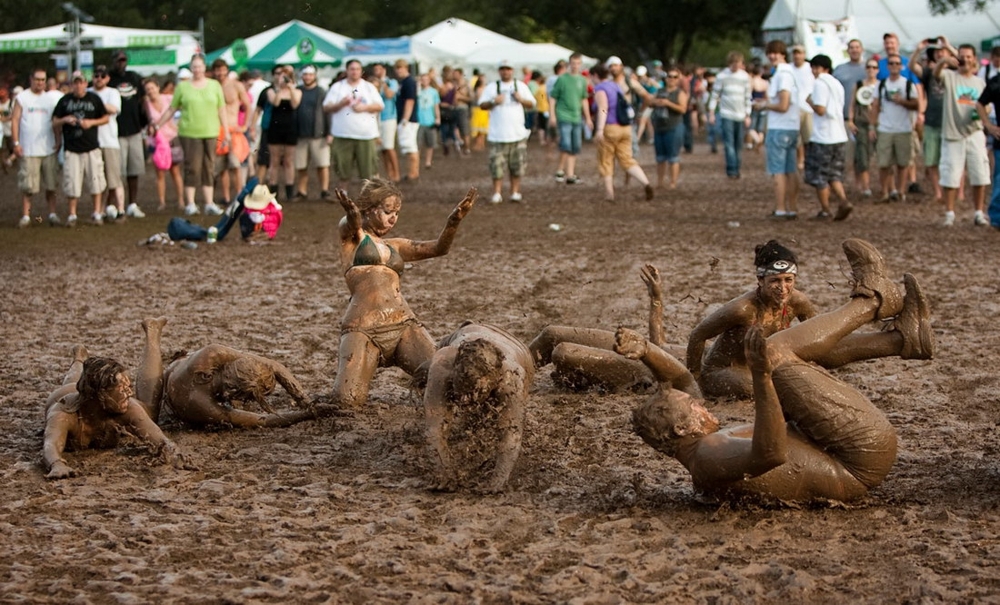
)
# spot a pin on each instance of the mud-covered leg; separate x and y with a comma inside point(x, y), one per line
point(357, 364)
point(582, 366)
point(510, 425)
point(551, 336)
point(149, 382)
point(438, 417)
point(415, 348)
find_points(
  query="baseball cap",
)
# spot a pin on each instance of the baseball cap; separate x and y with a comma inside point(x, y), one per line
point(308, 69)
point(798, 48)
point(505, 64)
point(641, 71)
point(100, 71)
point(78, 75)
point(184, 74)
point(613, 60)
point(118, 54)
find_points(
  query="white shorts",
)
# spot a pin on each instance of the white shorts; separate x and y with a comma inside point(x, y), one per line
point(317, 150)
point(387, 134)
point(112, 166)
point(83, 167)
point(406, 133)
point(968, 153)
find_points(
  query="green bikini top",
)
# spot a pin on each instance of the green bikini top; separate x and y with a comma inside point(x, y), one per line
point(367, 253)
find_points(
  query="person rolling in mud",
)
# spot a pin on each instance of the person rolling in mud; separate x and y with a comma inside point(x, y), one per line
point(814, 437)
point(95, 408)
point(585, 358)
point(214, 384)
point(378, 328)
point(723, 371)
point(474, 405)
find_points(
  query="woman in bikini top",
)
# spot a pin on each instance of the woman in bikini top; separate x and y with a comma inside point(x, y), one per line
point(378, 327)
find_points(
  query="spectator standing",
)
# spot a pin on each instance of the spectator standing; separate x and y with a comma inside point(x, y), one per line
point(388, 88)
point(827, 145)
point(479, 119)
point(989, 99)
point(963, 141)
point(859, 124)
point(34, 143)
point(612, 134)
point(890, 111)
point(446, 109)
point(132, 123)
point(428, 118)
point(6, 143)
point(890, 42)
point(78, 115)
point(669, 106)
point(255, 85)
point(505, 100)
point(731, 96)
point(758, 115)
point(569, 111)
point(849, 73)
point(203, 114)
point(804, 81)
point(107, 138)
point(406, 114)
point(262, 115)
point(541, 106)
point(783, 116)
point(354, 104)
point(987, 72)
point(283, 132)
point(463, 97)
point(313, 146)
point(158, 104)
point(237, 105)
point(933, 107)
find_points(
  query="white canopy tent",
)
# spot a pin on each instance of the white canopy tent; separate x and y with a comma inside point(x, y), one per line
point(541, 56)
point(911, 20)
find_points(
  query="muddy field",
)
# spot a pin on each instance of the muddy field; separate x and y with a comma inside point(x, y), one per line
point(340, 511)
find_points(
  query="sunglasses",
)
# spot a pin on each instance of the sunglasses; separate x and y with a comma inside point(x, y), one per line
point(871, 66)
point(894, 63)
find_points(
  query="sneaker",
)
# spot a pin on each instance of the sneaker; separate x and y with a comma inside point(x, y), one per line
point(516, 197)
point(324, 195)
point(212, 210)
point(134, 211)
point(980, 219)
point(54, 220)
point(496, 199)
point(843, 211)
point(914, 323)
point(71, 221)
point(560, 177)
point(866, 193)
point(97, 219)
point(823, 215)
point(914, 187)
point(111, 212)
point(24, 222)
point(191, 210)
point(870, 279)
point(573, 180)
point(894, 196)
point(949, 218)
point(791, 216)
point(649, 191)
point(778, 214)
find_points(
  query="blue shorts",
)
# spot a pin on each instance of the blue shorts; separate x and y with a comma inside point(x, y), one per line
point(780, 148)
point(668, 145)
point(570, 137)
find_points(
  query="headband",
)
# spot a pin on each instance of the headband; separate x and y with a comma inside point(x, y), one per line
point(777, 267)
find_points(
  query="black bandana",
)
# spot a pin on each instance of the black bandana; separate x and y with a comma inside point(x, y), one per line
point(777, 267)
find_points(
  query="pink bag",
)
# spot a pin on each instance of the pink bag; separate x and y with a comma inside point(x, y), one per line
point(162, 157)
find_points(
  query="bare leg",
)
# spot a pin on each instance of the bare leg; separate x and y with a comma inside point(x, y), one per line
point(415, 348)
point(80, 354)
point(149, 382)
point(358, 361)
point(733, 382)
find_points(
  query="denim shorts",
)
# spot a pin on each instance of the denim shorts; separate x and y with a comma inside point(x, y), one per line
point(668, 145)
point(780, 148)
point(570, 137)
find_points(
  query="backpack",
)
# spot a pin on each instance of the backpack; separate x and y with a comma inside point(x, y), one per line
point(881, 89)
point(624, 111)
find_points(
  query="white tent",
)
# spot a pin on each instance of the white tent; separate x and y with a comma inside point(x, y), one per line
point(452, 40)
point(911, 20)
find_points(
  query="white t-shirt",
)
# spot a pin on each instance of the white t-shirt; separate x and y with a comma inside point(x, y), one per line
point(828, 129)
point(783, 79)
point(35, 129)
point(107, 135)
point(347, 123)
point(893, 117)
point(804, 80)
point(507, 118)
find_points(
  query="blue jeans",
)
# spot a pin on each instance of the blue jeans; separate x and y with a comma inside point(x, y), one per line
point(732, 141)
point(713, 134)
point(570, 137)
point(994, 209)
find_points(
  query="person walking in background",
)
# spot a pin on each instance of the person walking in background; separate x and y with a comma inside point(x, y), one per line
point(406, 114)
point(283, 132)
point(731, 96)
point(613, 130)
point(569, 111)
point(893, 134)
point(428, 117)
point(859, 124)
point(827, 145)
point(388, 88)
point(354, 104)
point(506, 99)
point(446, 108)
point(34, 144)
point(804, 81)
point(132, 123)
point(158, 104)
point(203, 113)
point(313, 146)
point(669, 106)
point(77, 116)
point(783, 118)
point(107, 138)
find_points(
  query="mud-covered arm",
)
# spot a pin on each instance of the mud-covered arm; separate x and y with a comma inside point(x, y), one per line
point(436, 412)
point(512, 397)
point(804, 308)
point(58, 426)
point(410, 250)
point(286, 380)
point(651, 277)
point(715, 324)
point(666, 369)
point(138, 422)
point(351, 225)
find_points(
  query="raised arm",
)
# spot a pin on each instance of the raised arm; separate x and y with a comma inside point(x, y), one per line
point(651, 277)
point(666, 369)
point(410, 250)
point(58, 425)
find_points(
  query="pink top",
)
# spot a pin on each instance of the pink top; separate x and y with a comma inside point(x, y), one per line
point(169, 129)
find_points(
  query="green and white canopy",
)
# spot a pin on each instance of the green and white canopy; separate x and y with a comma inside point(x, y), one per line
point(294, 43)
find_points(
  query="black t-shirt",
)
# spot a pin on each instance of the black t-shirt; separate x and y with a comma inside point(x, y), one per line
point(132, 118)
point(88, 107)
point(991, 94)
point(407, 91)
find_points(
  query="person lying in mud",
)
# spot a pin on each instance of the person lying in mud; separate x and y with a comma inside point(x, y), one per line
point(474, 404)
point(585, 358)
point(378, 327)
point(772, 306)
point(95, 408)
point(214, 384)
point(814, 437)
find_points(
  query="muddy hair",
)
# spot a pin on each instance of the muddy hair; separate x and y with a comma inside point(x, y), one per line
point(765, 254)
point(663, 420)
point(246, 379)
point(477, 362)
point(99, 374)
point(374, 191)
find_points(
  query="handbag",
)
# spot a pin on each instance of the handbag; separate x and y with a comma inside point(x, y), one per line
point(624, 111)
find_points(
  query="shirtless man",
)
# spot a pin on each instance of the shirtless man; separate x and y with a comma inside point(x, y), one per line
point(477, 387)
point(236, 98)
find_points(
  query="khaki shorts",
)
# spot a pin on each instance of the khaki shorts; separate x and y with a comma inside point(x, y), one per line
point(112, 166)
point(37, 174)
point(83, 167)
point(350, 152)
point(508, 157)
point(406, 134)
point(617, 144)
point(968, 153)
point(387, 134)
point(805, 127)
point(133, 155)
point(315, 150)
point(894, 149)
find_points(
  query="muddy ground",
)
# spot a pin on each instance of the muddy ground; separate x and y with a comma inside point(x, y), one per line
point(340, 510)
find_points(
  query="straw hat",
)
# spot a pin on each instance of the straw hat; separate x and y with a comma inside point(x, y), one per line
point(259, 198)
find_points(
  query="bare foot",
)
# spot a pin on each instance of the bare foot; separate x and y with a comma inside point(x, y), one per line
point(629, 343)
point(156, 324)
point(80, 353)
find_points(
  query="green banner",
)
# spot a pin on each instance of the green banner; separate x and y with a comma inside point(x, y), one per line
point(988, 44)
point(36, 44)
point(240, 52)
point(306, 49)
point(154, 40)
point(152, 56)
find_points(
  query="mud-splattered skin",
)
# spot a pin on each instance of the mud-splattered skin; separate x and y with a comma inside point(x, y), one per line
point(477, 387)
point(209, 386)
point(378, 327)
